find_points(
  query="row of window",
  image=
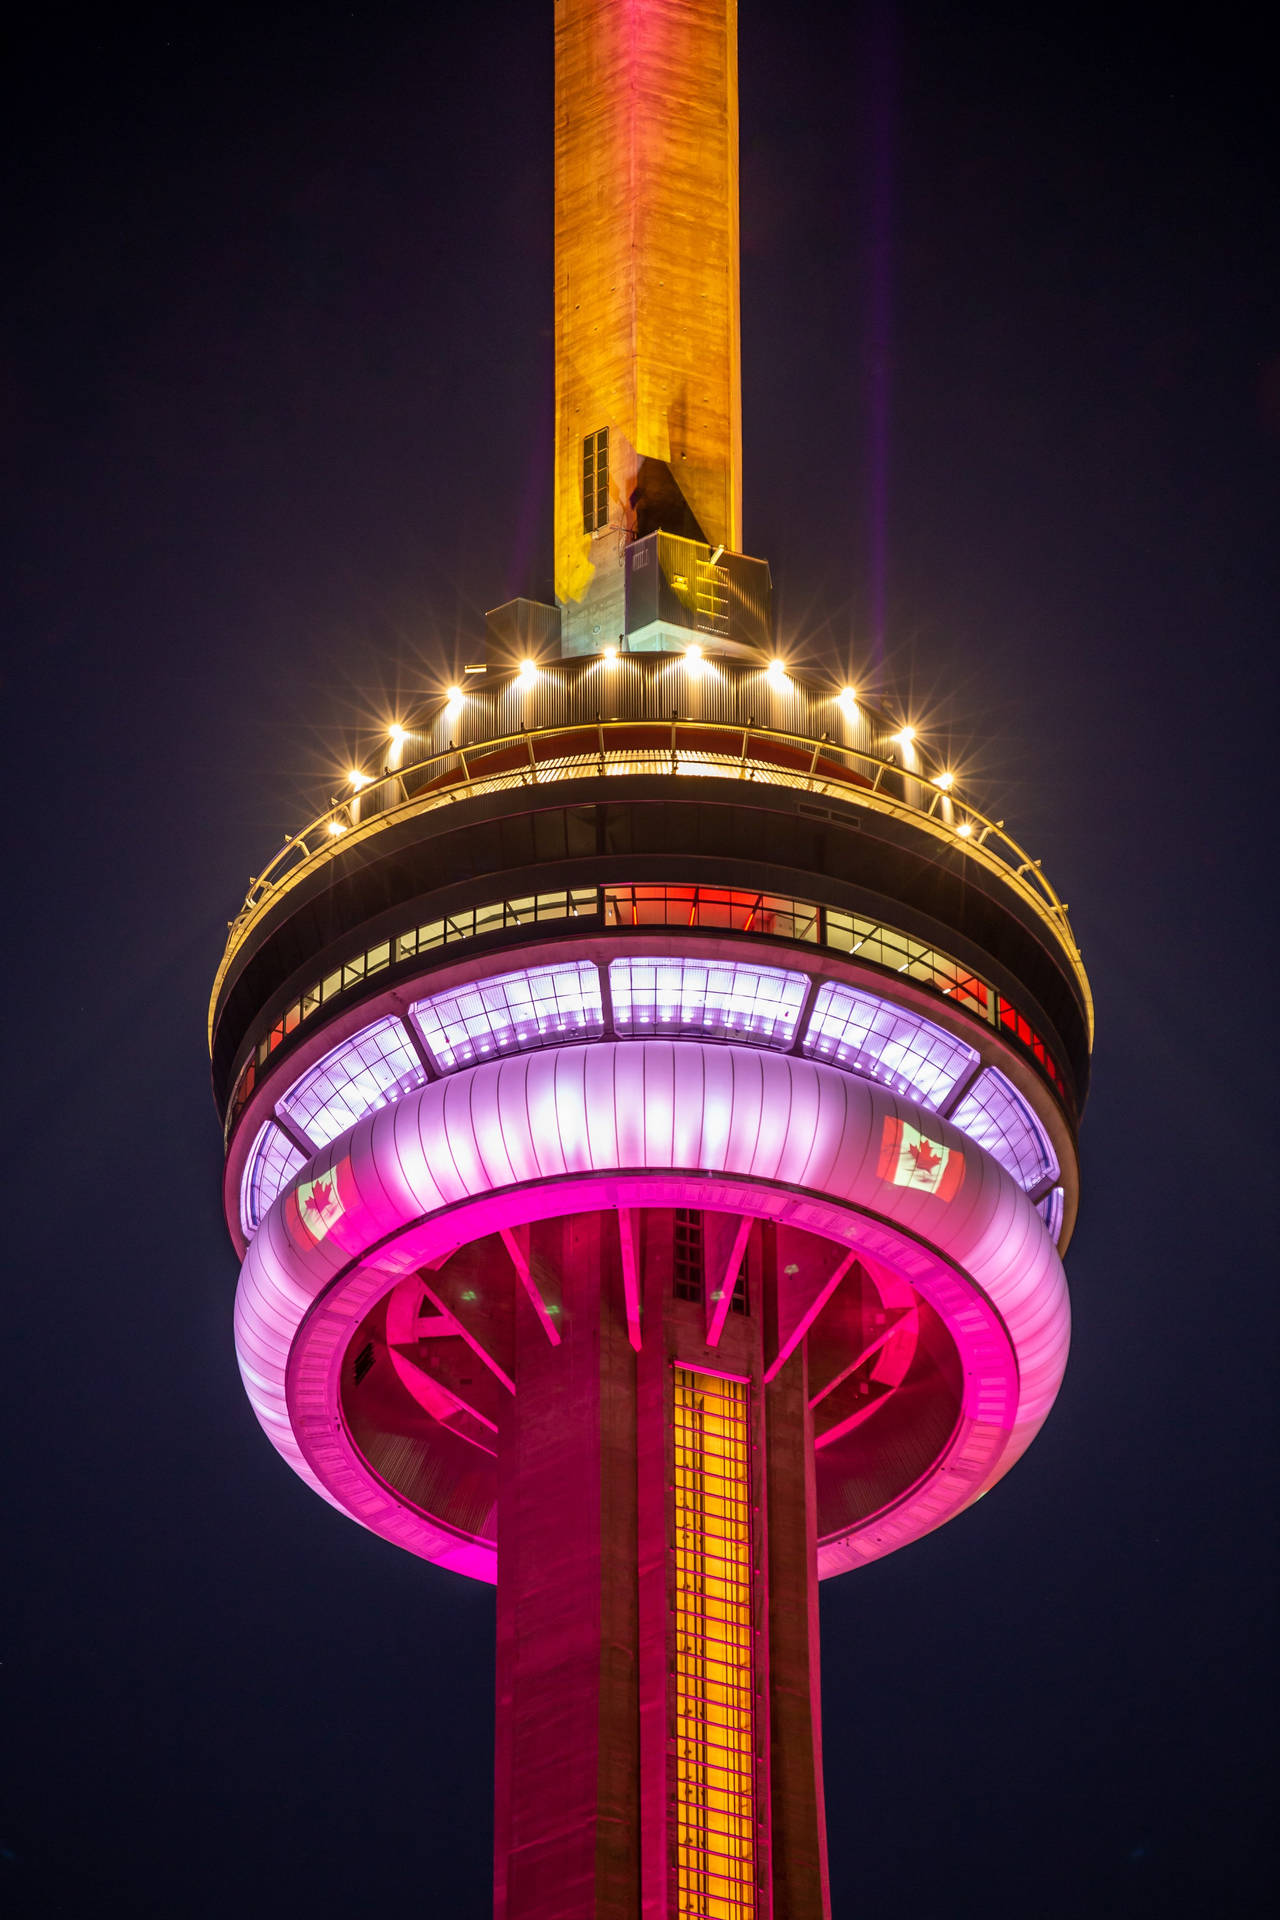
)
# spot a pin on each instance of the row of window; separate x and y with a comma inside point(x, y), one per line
point(595, 481)
point(714, 1682)
point(660, 995)
point(710, 909)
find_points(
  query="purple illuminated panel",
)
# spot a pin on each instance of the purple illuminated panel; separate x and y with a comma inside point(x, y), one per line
point(271, 1165)
point(371, 1069)
point(1050, 1211)
point(510, 1011)
point(887, 1043)
point(995, 1114)
point(727, 998)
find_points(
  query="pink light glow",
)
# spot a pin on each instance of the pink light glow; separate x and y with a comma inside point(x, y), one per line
point(634, 1124)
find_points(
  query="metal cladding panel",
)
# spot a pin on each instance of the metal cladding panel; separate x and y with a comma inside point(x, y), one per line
point(645, 581)
point(651, 1123)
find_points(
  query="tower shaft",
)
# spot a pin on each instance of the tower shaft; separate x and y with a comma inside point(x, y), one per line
point(647, 331)
point(658, 1719)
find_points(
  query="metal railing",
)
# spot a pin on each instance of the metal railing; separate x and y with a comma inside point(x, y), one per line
point(682, 747)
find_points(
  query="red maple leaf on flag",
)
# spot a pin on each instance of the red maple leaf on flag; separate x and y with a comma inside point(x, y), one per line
point(318, 1198)
point(926, 1159)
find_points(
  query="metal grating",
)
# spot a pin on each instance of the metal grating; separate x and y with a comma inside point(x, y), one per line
point(714, 1683)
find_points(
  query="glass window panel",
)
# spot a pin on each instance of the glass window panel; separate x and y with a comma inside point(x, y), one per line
point(729, 998)
point(273, 1161)
point(372, 1069)
point(995, 1114)
point(840, 931)
point(1050, 1211)
point(891, 1044)
point(536, 1007)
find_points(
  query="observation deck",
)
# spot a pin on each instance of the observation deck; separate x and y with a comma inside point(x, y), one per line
point(588, 756)
point(615, 852)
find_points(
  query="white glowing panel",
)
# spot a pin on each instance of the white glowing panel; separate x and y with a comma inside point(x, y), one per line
point(1050, 1211)
point(272, 1163)
point(509, 1011)
point(371, 1069)
point(902, 1049)
point(728, 998)
point(995, 1114)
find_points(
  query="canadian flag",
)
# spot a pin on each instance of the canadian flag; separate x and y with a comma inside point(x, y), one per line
point(909, 1158)
point(319, 1206)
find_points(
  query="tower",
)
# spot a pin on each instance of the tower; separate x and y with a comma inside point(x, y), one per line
point(650, 1096)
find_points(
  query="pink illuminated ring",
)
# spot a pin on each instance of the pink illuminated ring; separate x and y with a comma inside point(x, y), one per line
point(650, 1123)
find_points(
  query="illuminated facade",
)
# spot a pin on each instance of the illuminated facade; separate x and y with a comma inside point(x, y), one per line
point(650, 1098)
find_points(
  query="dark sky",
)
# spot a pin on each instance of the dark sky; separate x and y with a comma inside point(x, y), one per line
point(275, 387)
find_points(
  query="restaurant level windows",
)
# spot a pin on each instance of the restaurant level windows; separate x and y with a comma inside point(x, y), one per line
point(595, 481)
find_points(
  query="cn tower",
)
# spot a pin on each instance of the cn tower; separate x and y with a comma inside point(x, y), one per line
point(650, 1094)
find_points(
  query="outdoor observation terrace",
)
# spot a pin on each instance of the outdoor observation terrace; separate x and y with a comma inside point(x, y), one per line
point(689, 716)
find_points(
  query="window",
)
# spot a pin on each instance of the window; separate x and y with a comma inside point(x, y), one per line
point(687, 1265)
point(374, 1068)
point(714, 1676)
point(595, 481)
point(730, 998)
point(1050, 1211)
point(539, 1007)
point(272, 1163)
point(887, 1043)
point(994, 1114)
point(712, 610)
point(739, 1303)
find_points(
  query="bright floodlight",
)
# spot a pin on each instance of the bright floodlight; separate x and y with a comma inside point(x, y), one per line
point(358, 779)
point(395, 733)
point(946, 781)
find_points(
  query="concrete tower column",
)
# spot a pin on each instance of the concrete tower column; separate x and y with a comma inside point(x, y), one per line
point(647, 314)
point(658, 1722)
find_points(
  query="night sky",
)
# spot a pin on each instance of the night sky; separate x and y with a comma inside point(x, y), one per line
point(275, 385)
